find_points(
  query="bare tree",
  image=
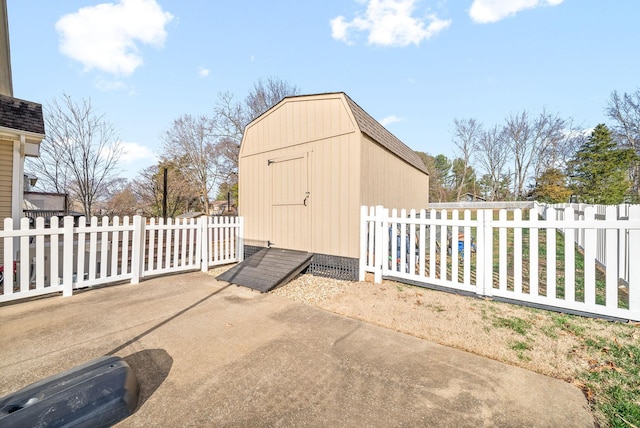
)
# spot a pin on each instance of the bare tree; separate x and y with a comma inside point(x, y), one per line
point(192, 146)
point(265, 94)
point(549, 136)
point(533, 144)
point(81, 152)
point(624, 110)
point(517, 132)
point(231, 117)
point(492, 153)
point(148, 189)
point(465, 136)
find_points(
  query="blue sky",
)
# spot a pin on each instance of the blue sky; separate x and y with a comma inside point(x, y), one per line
point(414, 65)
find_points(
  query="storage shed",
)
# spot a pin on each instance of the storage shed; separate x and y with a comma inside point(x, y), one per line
point(307, 165)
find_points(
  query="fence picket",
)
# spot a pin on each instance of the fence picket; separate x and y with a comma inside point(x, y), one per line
point(455, 236)
point(54, 252)
point(46, 263)
point(104, 248)
point(502, 249)
point(517, 253)
point(40, 258)
point(422, 240)
point(517, 244)
point(569, 257)
point(467, 249)
point(590, 247)
point(533, 253)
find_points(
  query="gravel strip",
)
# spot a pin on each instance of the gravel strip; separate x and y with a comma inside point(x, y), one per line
point(307, 289)
point(311, 290)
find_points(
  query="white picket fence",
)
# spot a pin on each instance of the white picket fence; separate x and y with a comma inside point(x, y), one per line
point(517, 257)
point(60, 258)
point(603, 212)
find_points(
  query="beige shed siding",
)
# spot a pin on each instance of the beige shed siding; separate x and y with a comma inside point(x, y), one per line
point(333, 202)
point(296, 122)
point(323, 128)
point(255, 192)
point(334, 196)
point(346, 168)
point(6, 168)
point(389, 181)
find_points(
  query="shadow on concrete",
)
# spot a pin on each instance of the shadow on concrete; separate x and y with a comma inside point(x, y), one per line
point(151, 367)
point(171, 318)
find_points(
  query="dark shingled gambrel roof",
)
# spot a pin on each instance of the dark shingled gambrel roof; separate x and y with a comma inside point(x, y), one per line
point(378, 133)
point(368, 125)
point(21, 115)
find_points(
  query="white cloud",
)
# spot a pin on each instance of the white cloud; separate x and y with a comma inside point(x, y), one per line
point(132, 152)
point(389, 23)
point(203, 72)
point(107, 85)
point(390, 119)
point(488, 11)
point(107, 36)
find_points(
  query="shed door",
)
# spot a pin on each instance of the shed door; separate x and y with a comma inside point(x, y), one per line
point(290, 199)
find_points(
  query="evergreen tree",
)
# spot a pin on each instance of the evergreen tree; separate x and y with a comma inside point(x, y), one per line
point(599, 169)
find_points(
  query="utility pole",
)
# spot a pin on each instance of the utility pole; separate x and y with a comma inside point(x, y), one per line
point(6, 82)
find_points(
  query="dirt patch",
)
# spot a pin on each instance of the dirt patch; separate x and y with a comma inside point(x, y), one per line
point(496, 330)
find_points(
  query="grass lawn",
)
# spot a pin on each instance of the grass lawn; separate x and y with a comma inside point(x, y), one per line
point(610, 378)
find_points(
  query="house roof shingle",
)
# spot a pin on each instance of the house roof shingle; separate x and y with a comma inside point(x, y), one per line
point(21, 115)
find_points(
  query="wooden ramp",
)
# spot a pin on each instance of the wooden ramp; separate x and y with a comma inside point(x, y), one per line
point(267, 269)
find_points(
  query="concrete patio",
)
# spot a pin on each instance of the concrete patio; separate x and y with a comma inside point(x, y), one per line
point(211, 354)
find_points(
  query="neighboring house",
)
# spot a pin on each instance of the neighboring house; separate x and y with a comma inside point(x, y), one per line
point(309, 163)
point(21, 131)
point(470, 197)
point(222, 208)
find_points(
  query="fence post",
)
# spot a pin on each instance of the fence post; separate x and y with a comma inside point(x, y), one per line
point(203, 240)
point(240, 238)
point(67, 251)
point(634, 254)
point(8, 257)
point(485, 268)
point(378, 242)
point(137, 249)
point(363, 242)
